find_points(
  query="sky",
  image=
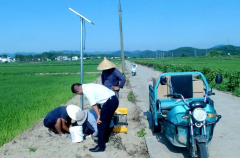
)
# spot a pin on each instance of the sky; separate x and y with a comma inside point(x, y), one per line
point(45, 25)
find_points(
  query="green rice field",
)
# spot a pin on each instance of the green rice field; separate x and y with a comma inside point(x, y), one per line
point(27, 95)
point(224, 63)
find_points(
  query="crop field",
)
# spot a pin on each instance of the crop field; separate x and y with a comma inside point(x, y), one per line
point(224, 63)
point(27, 95)
point(54, 67)
point(209, 66)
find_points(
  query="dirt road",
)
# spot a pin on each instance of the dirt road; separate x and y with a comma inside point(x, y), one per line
point(226, 139)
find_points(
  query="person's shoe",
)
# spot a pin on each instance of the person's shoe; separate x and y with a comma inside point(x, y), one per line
point(97, 149)
point(50, 133)
point(106, 144)
point(63, 137)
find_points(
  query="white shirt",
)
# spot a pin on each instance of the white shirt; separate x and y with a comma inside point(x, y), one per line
point(96, 93)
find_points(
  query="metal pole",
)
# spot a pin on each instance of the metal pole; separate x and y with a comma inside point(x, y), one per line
point(81, 55)
point(121, 36)
point(81, 50)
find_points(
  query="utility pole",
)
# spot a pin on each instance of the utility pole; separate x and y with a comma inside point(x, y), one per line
point(172, 54)
point(163, 54)
point(121, 36)
point(195, 53)
point(206, 52)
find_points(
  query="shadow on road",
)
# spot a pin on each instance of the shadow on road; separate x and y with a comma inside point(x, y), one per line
point(163, 139)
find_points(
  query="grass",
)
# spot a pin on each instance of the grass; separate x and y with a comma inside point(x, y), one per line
point(32, 149)
point(131, 97)
point(45, 67)
point(27, 97)
point(141, 133)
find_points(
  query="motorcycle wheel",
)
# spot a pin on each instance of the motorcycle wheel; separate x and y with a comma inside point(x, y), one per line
point(202, 150)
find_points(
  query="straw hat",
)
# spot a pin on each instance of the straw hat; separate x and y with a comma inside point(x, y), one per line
point(75, 113)
point(105, 65)
point(81, 117)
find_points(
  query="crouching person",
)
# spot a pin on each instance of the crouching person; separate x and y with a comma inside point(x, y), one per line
point(58, 120)
point(87, 119)
point(90, 125)
point(99, 95)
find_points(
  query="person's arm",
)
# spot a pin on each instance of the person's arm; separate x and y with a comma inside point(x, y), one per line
point(64, 126)
point(96, 110)
point(121, 78)
point(90, 96)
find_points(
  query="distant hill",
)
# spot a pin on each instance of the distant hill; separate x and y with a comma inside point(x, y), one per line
point(228, 49)
point(219, 46)
point(23, 53)
point(78, 52)
point(189, 51)
point(127, 53)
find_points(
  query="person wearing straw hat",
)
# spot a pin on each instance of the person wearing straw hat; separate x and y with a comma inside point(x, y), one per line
point(99, 95)
point(111, 76)
point(57, 119)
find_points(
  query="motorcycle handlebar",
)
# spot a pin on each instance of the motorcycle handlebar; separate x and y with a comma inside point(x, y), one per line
point(176, 94)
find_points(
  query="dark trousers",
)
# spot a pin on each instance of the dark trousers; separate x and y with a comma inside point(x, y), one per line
point(107, 112)
point(88, 129)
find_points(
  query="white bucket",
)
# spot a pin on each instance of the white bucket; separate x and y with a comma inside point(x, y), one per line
point(76, 133)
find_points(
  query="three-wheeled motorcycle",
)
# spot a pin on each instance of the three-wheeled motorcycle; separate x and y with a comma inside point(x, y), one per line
point(182, 109)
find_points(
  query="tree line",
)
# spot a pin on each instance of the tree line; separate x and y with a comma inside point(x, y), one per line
point(52, 56)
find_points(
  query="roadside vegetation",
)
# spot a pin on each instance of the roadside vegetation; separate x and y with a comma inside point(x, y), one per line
point(27, 96)
point(228, 66)
point(141, 133)
point(131, 97)
point(32, 149)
